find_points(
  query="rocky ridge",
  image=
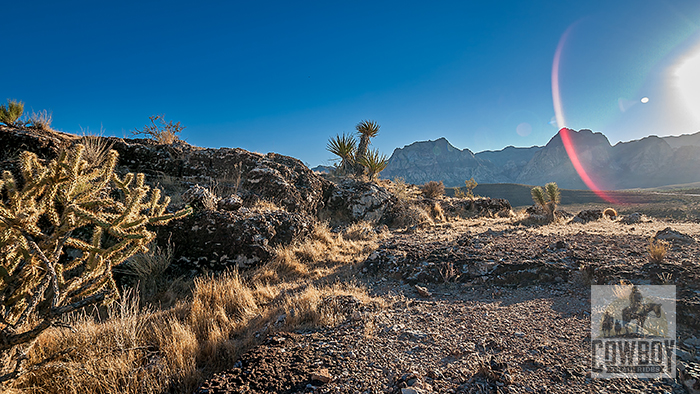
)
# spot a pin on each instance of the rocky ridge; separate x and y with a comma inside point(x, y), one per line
point(648, 162)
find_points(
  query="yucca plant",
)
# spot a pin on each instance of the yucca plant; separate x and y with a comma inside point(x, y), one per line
point(374, 162)
point(547, 198)
point(366, 129)
point(11, 113)
point(344, 146)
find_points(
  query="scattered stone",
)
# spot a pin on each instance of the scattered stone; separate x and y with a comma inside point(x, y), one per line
point(200, 198)
point(671, 235)
point(588, 215)
point(230, 203)
point(632, 218)
point(423, 292)
point(322, 375)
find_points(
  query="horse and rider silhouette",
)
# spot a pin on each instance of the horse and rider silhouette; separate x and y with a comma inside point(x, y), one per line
point(637, 310)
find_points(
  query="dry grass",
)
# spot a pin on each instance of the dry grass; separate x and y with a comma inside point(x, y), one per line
point(41, 120)
point(657, 250)
point(433, 189)
point(136, 349)
point(408, 215)
point(262, 205)
point(96, 147)
point(323, 254)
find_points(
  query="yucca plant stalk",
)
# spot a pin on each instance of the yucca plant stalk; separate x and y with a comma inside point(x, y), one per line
point(366, 129)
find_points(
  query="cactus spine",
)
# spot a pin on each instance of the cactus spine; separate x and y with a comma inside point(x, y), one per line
point(61, 231)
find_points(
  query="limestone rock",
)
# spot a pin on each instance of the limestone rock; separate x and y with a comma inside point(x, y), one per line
point(353, 200)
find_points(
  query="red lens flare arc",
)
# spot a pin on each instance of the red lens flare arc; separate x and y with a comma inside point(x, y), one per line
point(565, 133)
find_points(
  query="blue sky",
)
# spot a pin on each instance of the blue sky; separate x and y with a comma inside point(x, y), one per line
point(285, 76)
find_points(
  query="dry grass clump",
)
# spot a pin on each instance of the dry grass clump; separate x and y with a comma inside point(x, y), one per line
point(400, 189)
point(262, 205)
point(131, 351)
point(408, 215)
point(323, 252)
point(437, 212)
point(96, 149)
point(323, 306)
point(610, 213)
point(41, 120)
point(135, 349)
point(657, 250)
point(145, 272)
point(433, 189)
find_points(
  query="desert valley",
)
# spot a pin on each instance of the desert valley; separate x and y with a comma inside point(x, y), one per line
point(267, 277)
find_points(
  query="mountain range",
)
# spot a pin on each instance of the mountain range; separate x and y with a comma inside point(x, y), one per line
point(649, 162)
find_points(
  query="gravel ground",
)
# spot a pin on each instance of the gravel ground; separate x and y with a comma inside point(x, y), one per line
point(484, 331)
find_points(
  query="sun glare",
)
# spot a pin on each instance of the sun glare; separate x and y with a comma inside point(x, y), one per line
point(688, 80)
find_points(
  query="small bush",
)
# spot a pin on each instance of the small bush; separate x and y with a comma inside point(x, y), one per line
point(657, 250)
point(408, 215)
point(40, 120)
point(433, 189)
point(438, 213)
point(400, 189)
point(11, 113)
point(96, 149)
point(610, 213)
point(161, 131)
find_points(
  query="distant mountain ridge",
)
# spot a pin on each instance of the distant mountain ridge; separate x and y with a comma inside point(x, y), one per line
point(648, 162)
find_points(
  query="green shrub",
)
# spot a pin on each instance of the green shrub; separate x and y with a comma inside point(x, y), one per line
point(61, 231)
point(11, 113)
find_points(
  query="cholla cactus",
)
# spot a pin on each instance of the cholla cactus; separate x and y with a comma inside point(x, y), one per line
point(61, 231)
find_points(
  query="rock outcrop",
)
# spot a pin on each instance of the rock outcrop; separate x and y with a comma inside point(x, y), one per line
point(352, 200)
point(216, 240)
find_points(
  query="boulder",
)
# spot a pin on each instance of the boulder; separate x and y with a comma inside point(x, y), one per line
point(216, 240)
point(673, 236)
point(200, 198)
point(230, 203)
point(352, 200)
point(632, 218)
point(588, 215)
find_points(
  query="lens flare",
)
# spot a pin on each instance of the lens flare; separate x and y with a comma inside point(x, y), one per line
point(564, 132)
